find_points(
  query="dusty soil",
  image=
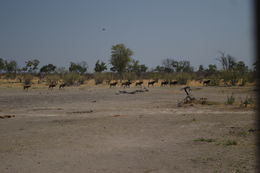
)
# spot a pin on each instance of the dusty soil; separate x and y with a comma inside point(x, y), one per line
point(98, 129)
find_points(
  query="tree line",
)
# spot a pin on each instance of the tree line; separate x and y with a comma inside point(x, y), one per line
point(122, 63)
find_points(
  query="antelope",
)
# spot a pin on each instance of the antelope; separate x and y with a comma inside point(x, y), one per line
point(139, 83)
point(26, 87)
point(112, 84)
point(206, 82)
point(62, 85)
point(151, 83)
point(127, 84)
point(164, 83)
point(52, 85)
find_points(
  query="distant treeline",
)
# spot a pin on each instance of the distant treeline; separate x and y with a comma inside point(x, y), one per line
point(126, 68)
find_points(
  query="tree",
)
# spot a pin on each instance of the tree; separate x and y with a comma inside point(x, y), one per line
point(135, 67)
point(99, 67)
point(240, 68)
point(48, 68)
point(120, 58)
point(11, 66)
point(2, 65)
point(31, 65)
point(201, 68)
point(143, 68)
point(227, 62)
point(159, 69)
point(212, 68)
point(169, 65)
point(79, 67)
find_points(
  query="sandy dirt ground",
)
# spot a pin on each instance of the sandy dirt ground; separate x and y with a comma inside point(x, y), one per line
point(99, 130)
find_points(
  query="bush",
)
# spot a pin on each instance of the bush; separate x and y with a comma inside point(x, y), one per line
point(71, 78)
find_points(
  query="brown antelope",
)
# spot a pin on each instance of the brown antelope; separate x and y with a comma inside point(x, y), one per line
point(152, 82)
point(206, 82)
point(140, 83)
point(127, 84)
point(112, 84)
point(26, 87)
point(52, 85)
point(62, 85)
point(164, 83)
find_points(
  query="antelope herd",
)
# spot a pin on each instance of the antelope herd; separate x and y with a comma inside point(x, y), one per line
point(126, 83)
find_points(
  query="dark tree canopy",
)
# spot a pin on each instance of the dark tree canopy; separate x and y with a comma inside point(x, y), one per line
point(171, 65)
point(78, 67)
point(11, 66)
point(48, 68)
point(135, 67)
point(201, 68)
point(31, 65)
point(212, 68)
point(100, 66)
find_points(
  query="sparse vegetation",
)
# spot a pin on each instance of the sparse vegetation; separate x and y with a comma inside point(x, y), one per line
point(209, 140)
point(124, 67)
point(247, 101)
point(52, 79)
point(230, 142)
point(230, 99)
point(71, 78)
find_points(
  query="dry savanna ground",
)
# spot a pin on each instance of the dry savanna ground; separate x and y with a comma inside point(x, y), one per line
point(100, 129)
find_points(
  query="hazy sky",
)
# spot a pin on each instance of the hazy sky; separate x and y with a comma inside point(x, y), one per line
point(61, 31)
